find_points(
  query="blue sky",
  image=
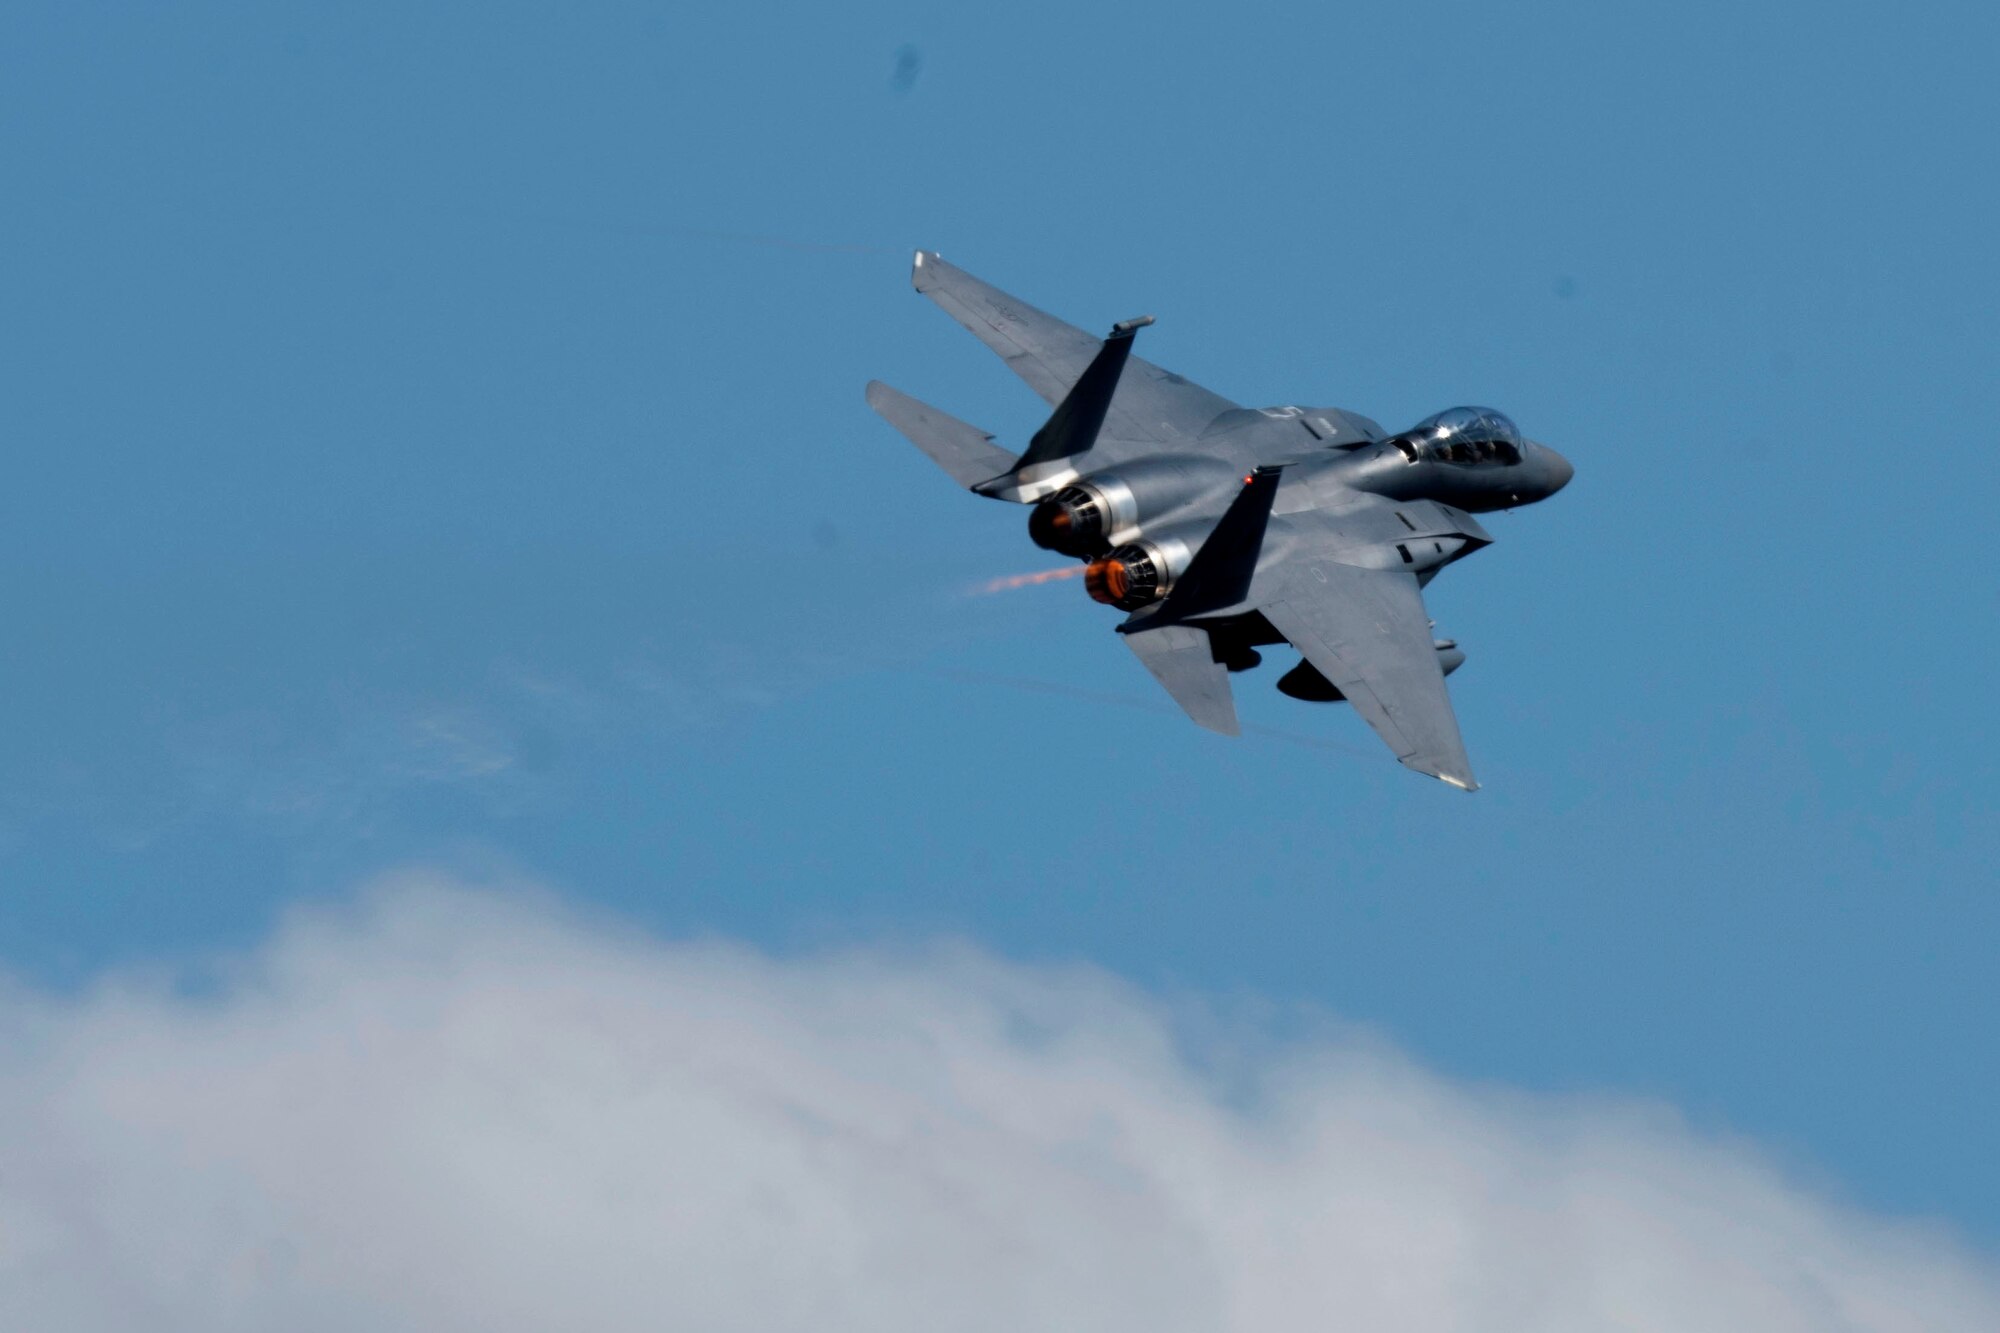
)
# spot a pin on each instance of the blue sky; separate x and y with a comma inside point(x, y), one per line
point(437, 437)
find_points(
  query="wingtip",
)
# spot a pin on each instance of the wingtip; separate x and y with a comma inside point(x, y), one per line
point(1451, 777)
point(918, 264)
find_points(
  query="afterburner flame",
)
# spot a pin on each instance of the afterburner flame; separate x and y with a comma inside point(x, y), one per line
point(992, 586)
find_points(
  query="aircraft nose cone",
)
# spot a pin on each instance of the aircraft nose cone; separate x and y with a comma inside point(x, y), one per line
point(1560, 470)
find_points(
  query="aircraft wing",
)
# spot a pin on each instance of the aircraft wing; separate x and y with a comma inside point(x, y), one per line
point(1366, 631)
point(1180, 660)
point(1150, 405)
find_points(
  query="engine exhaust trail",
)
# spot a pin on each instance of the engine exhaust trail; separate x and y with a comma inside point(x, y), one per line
point(1009, 581)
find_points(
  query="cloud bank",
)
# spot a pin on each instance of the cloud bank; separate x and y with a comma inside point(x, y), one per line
point(446, 1109)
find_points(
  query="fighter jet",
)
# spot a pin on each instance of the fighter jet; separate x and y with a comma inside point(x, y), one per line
point(1222, 529)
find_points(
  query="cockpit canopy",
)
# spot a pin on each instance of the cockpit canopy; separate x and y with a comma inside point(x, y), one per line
point(1463, 435)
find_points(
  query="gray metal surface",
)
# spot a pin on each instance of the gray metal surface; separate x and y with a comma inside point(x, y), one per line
point(1179, 658)
point(1153, 405)
point(1366, 632)
point(1221, 529)
point(965, 452)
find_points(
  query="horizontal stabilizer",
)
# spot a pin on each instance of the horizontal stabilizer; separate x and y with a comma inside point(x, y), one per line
point(1180, 659)
point(965, 451)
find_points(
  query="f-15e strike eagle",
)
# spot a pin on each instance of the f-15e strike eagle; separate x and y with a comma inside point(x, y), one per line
point(1222, 529)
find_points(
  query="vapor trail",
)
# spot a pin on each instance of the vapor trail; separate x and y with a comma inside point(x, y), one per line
point(648, 228)
point(1029, 685)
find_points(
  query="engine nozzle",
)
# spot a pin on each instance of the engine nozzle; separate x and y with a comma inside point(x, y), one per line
point(1128, 578)
point(1071, 522)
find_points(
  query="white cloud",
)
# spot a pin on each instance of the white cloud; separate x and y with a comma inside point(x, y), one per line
point(448, 1109)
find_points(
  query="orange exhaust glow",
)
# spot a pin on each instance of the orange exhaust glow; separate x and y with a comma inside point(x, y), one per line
point(992, 586)
point(1107, 581)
